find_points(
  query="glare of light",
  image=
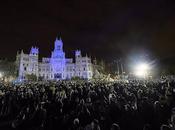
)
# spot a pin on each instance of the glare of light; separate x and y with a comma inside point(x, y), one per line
point(1, 75)
point(141, 70)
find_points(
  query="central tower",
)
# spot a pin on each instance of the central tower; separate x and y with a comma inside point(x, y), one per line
point(58, 49)
point(58, 60)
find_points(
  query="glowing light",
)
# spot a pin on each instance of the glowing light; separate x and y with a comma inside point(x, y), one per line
point(141, 70)
point(1, 75)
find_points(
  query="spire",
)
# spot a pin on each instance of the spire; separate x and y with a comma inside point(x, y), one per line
point(61, 40)
point(34, 50)
point(58, 38)
point(17, 52)
point(58, 44)
point(78, 53)
point(22, 52)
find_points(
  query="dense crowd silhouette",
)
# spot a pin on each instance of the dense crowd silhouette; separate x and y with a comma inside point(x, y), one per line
point(81, 105)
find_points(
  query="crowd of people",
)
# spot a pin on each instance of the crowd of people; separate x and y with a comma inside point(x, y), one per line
point(82, 105)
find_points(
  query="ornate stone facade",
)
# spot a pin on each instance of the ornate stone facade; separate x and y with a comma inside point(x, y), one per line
point(56, 67)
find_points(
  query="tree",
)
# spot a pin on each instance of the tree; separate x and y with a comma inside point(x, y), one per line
point(8, 69)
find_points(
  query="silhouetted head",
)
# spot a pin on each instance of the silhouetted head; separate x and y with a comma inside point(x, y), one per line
point(115, 126)
point(165, 127)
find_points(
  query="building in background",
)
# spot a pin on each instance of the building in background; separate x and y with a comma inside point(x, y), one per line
point(56, 67)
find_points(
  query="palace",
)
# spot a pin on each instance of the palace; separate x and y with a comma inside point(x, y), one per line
point(56, 67)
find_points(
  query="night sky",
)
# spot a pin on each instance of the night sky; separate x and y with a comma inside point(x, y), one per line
point(106, 29)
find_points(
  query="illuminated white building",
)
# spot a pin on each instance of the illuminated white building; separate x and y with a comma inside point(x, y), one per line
point(56, 67)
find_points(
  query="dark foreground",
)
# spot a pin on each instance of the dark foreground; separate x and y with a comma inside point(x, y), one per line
point(135, 105)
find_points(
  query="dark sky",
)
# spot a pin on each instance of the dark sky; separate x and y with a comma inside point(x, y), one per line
point(106, 29)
